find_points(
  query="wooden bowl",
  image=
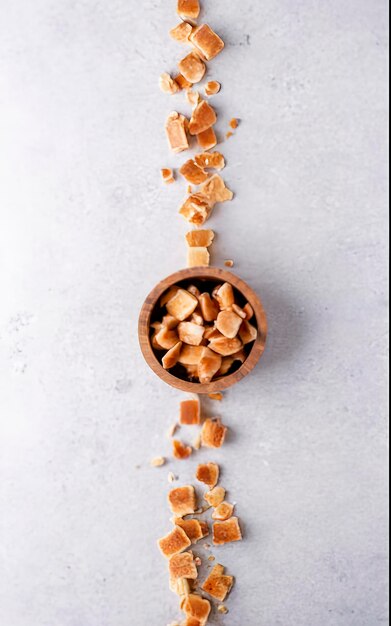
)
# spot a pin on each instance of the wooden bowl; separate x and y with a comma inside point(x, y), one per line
point(214, 275)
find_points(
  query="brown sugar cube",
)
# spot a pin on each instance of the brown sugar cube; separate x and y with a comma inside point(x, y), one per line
point(217, 585)
point(182, 500)
point(213, 433)
point(210, 160)
point(225, 347)
point(200, 239)
point(239, 311)
point(226, 365)
point(190, 412)
point(228, 323)
point(215, 190)
point(188, 9)
point(204, 116)
point(192, 68)
point(191, 355)
point(207, 42)
point(208, 474)
point(208, 366)
point(175, 542)
point(183, 566)
point(248, 333)
point(196, 209)
point(212, 88)
point(207, 140)
point(191, 333)
point(193, 173)
point(223, 512)
point(170, 322)
point(182, 305)
point(226, 532)
point(182, 32)
point(249, 311)
point(166, 338)
point(180, 451)
point(171, 358)
point(176, 132)
point(167, 176)
point(167, 84)
point(183, 83)
point(196, 607)
point(198, 257)
point(215, 496)
point(205, 529)
point(168, 295)
point(192, 528)
point(209, 307)
point(225, 296)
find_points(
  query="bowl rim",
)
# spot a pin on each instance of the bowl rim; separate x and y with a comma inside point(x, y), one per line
point(224, 382)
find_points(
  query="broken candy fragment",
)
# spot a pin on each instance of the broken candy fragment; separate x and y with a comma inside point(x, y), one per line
point(209, 307)
point(225, 347)
point(180, 451)
point(223, 511)
point(190, 412)
point(215, 496)
point(225, 296)
point(182, 82)
point(200, 239)
point(226, 532)
point(208, 366)
point(183, 566)
point(228, 323)
point(188, 9)
point(207, 42)
point(192, 68)
point(182, 305)
point(198, 257)
point(217, 585)
point(197, 607)
point(192, 528)
point(181, 32)
point(193, 173)
point(167, 84)
point(210, 160)
point(208, 474)
point(207, 140)
point(176, 132)
point(166, 338)
point(215, 190)
point(213, 433)
point(167, 175)
point(191, 333)
point(171, 358)
point(248, 333)
point(204, 116)
point(191, 355)
point(182, 501)
point(175, 542)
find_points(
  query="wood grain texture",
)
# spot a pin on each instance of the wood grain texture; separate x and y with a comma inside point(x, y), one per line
point(214, 274)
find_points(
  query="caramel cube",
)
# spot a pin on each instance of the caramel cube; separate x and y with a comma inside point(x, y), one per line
point(210, 160)
point(223, 511)
point(208, 474)
point(166, 338)
point(192, 68)
point(209, 307)
point(191, 355)
point(175, 542)
point(213, 433)
point(171, 358)
point(182, 500)
point(204, 116)
point(196, 209)
point(196, 607)
point(215, 190)
point(207, 140)
point(248, 333)
point(167, 84)
point(212, 88)
point(200, 239)
point(217, 585)
point(226, 532)
point(183, 566)
point(192, 528)
point(182, 32)
point(198, 257)
point(180, 451)
point(207, 42)
point(225, 296)
point(225, 347)
point(193, 173)
point(182, 305)
point(215, 496)
point(228, 323)
point(190, 333)
point(176, 132)
point(188, 9)
point(190, 412)
point(208, 366)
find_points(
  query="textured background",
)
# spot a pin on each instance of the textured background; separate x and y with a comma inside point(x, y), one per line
point(86, 229)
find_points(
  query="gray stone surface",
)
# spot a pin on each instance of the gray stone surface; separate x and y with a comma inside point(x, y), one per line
point(86, 229)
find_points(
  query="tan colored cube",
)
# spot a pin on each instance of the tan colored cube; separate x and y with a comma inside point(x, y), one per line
point(228, 323)
point(166, 338)
point(215, 496)
point(210, 160)
point(213, 433)
point(207, 140)
point(190, 412)
point(207, 42)
point(200, 239)
point(175, 542)
point(190, 333)
point(192, 68)
point(191, 355)
point(176, 132)
point(215, 190)
point(188, 9)
point(226, 532)
point(182, 501)
point(248, 333)
point(209, 308)
point(196, 607)
point(225, 296)
point(209, 365)
point(180, 451)
point(217, 585)
point(225, 347)
point(193, 173)
point(167, 84)
point(223, 512)
point(183, 566)
point(182, 32)
point(208, 474)
point(171, 358)
point(196, 209)
point(182, 305)
point(204, 116)
point(192, 528)
point(198, 257)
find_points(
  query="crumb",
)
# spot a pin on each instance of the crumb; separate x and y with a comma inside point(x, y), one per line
point(171, 478)
point(159, 461)
point(215, 497)
point(167, 176)
point(234, 123)
point(173, 430)
point(216, 396)
point(213, 433)
point(167, 84)
point(197, 443)
point(208, 474)
point(212, 88)
point(229, 135)
point(180, 451)
point(223, 512)
point(229, 263)
point(223, 609)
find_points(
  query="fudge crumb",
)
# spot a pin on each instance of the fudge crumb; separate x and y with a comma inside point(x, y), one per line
point(159, 461)
point(229, 263)
point(223, 609)
point(212, 88)
point(171, 478)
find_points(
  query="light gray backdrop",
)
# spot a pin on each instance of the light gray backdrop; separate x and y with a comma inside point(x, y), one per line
point(86, 229)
